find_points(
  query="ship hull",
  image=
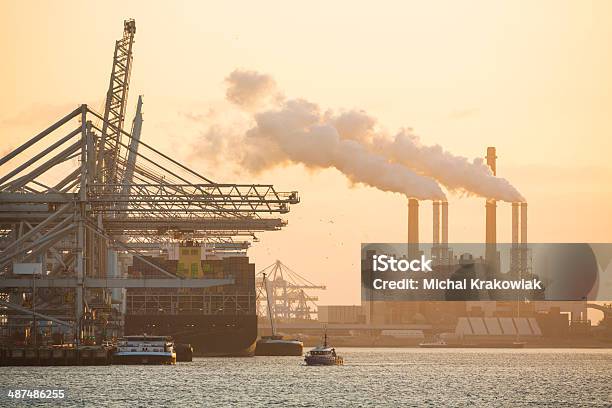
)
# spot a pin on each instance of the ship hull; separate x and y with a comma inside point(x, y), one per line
point(209, 335)
point(140, 359)
point(323, 360)
point(278, 348)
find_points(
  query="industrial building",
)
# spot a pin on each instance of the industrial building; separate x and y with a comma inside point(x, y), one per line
point(341, 314)
point(546, 319)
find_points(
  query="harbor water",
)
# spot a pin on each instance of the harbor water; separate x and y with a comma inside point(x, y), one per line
point(370, 377)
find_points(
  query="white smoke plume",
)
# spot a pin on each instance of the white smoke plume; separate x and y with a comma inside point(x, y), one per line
point(250, 89)
point(297, 132)
point(456, 173)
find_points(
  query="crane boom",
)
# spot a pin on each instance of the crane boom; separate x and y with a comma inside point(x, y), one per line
point(130, 165)
point(116, 101)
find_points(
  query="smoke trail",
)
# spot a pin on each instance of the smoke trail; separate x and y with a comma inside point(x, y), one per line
point(250, 89)
point(456, 173)
point(296, 132)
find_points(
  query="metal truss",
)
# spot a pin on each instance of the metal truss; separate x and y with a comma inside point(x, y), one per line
point(116, 101)
point(84, 187)
point(165, 206)
point(67, 225)
point(145, 303)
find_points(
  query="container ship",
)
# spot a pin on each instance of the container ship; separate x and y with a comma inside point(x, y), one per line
point(216, 321)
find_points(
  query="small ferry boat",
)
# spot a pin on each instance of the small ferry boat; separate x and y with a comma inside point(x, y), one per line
point(145, 350)
point(323, 355)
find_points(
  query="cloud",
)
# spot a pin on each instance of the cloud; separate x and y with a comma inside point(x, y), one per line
point(250, 89)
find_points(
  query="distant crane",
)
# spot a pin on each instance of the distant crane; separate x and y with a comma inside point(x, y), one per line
point(287, 290)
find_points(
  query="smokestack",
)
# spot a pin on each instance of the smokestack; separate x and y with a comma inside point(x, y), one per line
point(515, 224)
point(523, 248)
point(515, 255)
point(491, 205)
point(491, 221)
point(444, 250)
point(523, 223)
point(413, 227)
point(445, 224)
point(491, 157)
point(435, 248)
point(413, 221)
point(436, 222)
point(491, 232)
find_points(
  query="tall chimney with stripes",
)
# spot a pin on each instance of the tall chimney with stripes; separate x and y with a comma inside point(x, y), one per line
point(515, 253)
point(524, 251)
point(491, 219)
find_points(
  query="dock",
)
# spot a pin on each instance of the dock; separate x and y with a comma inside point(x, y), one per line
point(55, 356)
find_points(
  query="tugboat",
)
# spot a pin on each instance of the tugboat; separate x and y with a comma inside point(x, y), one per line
point(184, 352)
point(275, 345)
point(145, 350)
point(323, 355)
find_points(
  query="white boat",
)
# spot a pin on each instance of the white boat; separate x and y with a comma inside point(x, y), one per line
point(323, 355)
point(145, 350)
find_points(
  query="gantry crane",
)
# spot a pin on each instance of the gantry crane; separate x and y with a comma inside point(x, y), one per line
point(84, 188)
point(287, 290)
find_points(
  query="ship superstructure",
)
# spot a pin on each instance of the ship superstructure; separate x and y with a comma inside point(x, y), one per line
point(145, 350)
point(219, 320)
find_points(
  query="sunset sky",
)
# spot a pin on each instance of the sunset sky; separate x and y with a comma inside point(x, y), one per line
point(533, 78)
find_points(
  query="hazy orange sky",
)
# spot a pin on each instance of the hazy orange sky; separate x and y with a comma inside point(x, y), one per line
point(531, 78)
